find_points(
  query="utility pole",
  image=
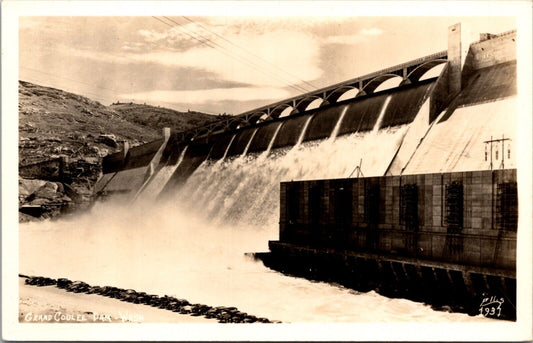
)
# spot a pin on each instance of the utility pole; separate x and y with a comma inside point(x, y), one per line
point(358, 169)
point(497, 141)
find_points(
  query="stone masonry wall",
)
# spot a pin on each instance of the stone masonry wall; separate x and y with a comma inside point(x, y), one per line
point(466, 217)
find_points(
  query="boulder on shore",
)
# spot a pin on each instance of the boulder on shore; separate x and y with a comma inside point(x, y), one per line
point(48, 191)
point(28, 187)
point(40, 199)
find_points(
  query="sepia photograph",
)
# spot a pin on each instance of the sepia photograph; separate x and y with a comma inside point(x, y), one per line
point(249, 171)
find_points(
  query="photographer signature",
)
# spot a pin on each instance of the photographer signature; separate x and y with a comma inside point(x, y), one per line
point(491, 306)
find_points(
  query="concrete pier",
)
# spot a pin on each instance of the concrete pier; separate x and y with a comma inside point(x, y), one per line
point(445, 239)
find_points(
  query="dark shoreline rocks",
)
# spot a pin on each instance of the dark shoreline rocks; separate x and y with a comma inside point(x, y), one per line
point(44, 199)
point(223, 314)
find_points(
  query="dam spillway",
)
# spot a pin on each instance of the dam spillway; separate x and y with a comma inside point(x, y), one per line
point(443, 122)
point(384, 112)
point(217, 196)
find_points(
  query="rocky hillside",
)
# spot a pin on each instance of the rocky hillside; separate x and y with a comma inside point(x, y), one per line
point(63, 137)
point(152, 117)
point(53, 122)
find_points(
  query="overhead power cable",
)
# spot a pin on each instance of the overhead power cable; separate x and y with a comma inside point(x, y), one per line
point(250, 53)
point(208, 42)
point(283, 77)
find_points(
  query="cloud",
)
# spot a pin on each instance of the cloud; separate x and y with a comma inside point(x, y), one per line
point(152, 35)
point(272, 59)
point(206, 96)
point(360, 37)
point(172, 38)
point(374, 31)
point(260, 24)
point(345, 39)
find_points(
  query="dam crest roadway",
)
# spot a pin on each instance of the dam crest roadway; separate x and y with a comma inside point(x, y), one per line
point(410, 72)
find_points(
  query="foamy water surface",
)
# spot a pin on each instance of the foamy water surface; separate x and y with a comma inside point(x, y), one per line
point(192, 245)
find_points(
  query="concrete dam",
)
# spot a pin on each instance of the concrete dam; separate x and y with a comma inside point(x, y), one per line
point(403, 190)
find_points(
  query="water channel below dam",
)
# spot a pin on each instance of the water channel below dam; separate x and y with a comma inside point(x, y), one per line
point(192, 243)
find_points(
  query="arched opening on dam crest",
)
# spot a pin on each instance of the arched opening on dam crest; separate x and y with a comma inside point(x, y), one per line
point(390, 83)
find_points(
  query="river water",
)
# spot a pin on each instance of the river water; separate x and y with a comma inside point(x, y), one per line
point(192, 245)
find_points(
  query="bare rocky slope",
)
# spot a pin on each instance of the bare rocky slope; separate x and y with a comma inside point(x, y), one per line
point(151, 117)
point(55, 124)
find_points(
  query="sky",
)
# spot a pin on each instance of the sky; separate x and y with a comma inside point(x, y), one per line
point(223, 64)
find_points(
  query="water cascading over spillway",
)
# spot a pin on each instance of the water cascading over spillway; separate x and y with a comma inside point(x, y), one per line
point(380, 118)
point(227, 148)
point(249, 142)
point(267, 151)
point(244, 190)
point(338, 125)
point(191, 243)
point(218, 198)
point(154, 187)
point(302, 134)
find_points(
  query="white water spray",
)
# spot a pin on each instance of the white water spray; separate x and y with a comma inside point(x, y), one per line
point(273, 138)
point(193, 246)
point(302, 133)
point(335, 131)
point(159, 180)
point(227, 148)
point(377, 125)
point(265, 153)
point(249, 142)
